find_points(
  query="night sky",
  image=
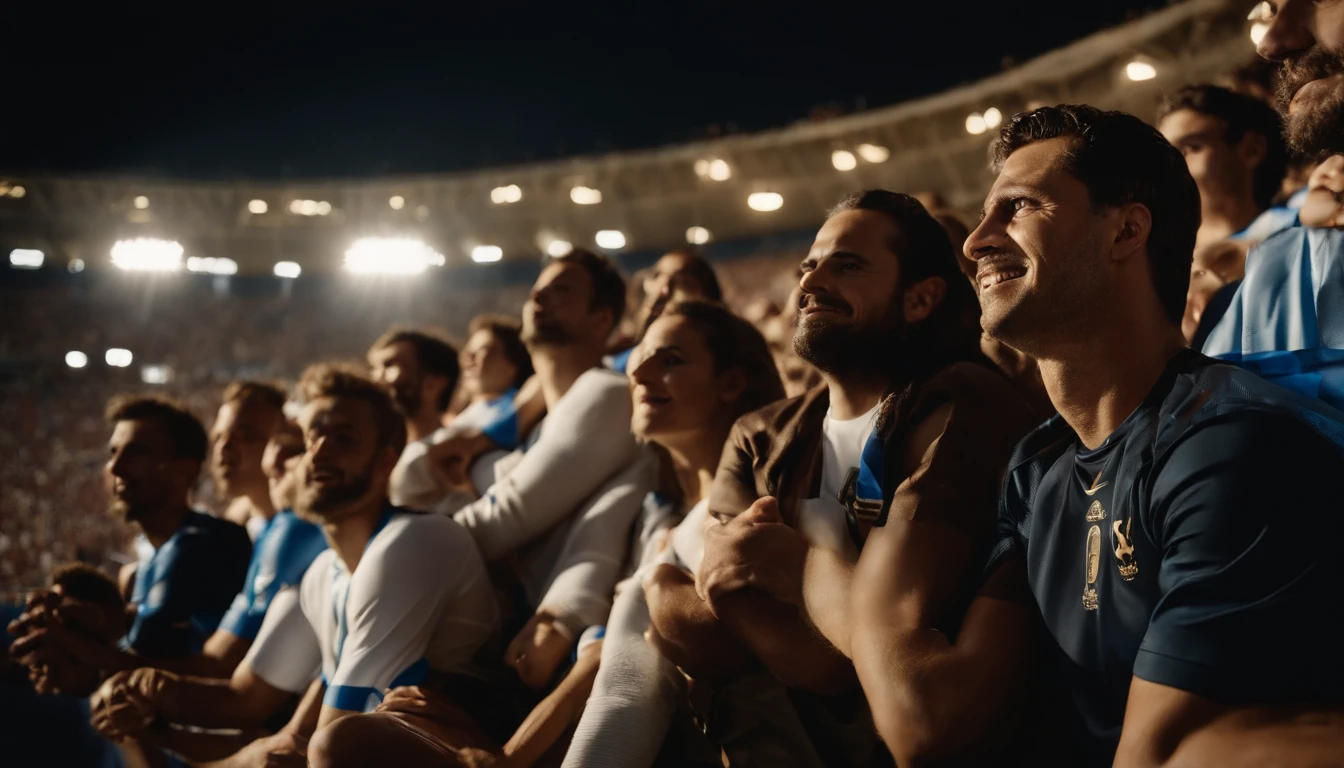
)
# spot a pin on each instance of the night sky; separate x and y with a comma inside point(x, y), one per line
point(331, 89)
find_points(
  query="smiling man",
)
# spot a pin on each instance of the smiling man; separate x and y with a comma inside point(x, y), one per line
point(1307, 38)
point(1169, 518)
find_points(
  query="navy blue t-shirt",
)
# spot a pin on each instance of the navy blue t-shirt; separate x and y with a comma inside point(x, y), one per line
point(183, 588)
point(1196, 548)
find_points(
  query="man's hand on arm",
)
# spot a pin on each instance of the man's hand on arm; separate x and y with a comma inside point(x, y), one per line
point(538, 650)
point(684, 629)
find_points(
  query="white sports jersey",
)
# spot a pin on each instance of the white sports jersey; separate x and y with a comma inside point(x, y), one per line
point(418, 600)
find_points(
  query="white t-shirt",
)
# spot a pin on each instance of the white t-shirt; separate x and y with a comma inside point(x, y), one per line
point(413, 485)
point(419, 599)
point(822, 520)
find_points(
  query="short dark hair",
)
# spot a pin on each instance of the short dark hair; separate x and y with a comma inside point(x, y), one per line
point(184, 430)
point(510, 334)
point(608, 285)
point(1240, 114)
point(1122, 160)
point(435, 354)
point(337, 380)
point(698, 267)
point(246, 391)
point(735, 343)
point(924, 250)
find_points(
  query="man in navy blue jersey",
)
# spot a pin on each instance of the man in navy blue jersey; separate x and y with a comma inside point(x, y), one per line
point(1170, 518)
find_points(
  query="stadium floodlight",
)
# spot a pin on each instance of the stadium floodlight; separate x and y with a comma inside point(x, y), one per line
point(156, 374)
point(1139, 71)
point(17, 191)
point(993, 117)
point(26, 258)
point(257, 206)
point(765, 201)
point(719, 170)
point(147, 254)
point(582, 195)
point(505, 195)
point(697, 236)
point(290, 269)
point(486, 254)
point(323, 208)
point(975, 124)
point(557, 248)
point(610, 239)
point(701, 167)
point(873, 153)
point(76, 359)
point(118, 358)
point(75, 266)
point(396, 202)
point(844, 160)
point(211, 265)
point(141, 202)
point(390, 256)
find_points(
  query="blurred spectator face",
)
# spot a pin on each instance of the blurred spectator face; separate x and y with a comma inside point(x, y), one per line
point(486, 369)
point(237, 443)
point(1324, 206)
point(397, 367)
point(850, 301)
point(1037, 249)
point(668, 279)
point(560, 309)
point(280, 462)
point(343, 464)
point(141, 473)
point(1222, 171)
point(1214, 266)
point(1307, 38)
point(675, 387)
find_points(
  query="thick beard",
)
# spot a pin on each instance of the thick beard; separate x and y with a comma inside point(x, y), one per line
point(546, 334)
point(1318, 131)
point(316, 502)
point(842, 349)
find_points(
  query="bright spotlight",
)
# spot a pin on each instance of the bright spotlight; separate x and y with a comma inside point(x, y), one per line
point(610, 239)
point(697, 235)
point(873, 153)
point(141, 203)
point(390, 256)
point(210, 265)
point(76, 359)
point(75, 266)
point(118, 358)
point(557, 248)
point(397, 202)
point(156, 374)
point(993, 117)
point(486, 254)
point(1140, 70)
point(505, 195)
point(843, 160)
point(975, 124)
point(585, 195)
point(257, 206)
point(26, 258)
point(17, 191)
point(702, 167)
point(719, 170)
point(296, 207)
point(765, 201)
point(290, 269)
point(147, 254)
point(323, 208)
point(1258, 30)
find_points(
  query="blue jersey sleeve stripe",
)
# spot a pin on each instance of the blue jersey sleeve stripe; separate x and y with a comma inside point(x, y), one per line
point(351, 698)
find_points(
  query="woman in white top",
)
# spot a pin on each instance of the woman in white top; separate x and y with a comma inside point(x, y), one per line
point(698, 368)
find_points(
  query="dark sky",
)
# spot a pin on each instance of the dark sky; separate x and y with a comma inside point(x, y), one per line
point(331, 89)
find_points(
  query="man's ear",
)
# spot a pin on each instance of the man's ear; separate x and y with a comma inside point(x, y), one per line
point(924, 297)
point(1136, 224)
point(1252, 148)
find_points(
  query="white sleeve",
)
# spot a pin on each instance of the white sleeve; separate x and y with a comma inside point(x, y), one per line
point(578, 592)
point(634, 695)
point(585, 441)
point(396, 602)
point(286, 653)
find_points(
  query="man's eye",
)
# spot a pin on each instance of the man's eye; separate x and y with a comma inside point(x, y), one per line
point(1020, 204)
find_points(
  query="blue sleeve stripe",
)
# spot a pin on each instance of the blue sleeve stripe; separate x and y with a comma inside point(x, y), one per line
point(243, 624)
point(504, 430)
point(352, 698)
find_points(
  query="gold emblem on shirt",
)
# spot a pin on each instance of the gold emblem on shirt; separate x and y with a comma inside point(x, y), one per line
point(1124, 549)
point(1093, 568)
point(1095, 512)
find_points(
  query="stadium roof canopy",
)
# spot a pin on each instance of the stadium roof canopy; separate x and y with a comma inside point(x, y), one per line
point(653, 197)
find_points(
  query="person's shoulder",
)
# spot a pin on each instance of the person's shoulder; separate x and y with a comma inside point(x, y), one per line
point(408, 532)
point(596, 388)
point(206, 528)
point(772, 418)
point(978, 385)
